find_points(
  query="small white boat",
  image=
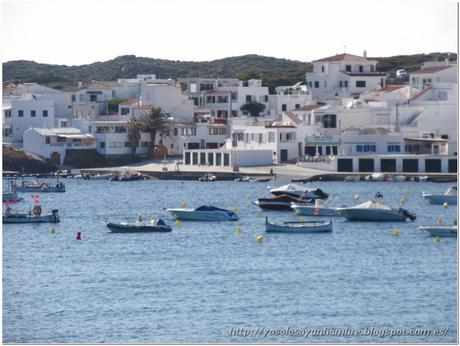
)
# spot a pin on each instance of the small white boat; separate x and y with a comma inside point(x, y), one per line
point(320, 208)
point(422, 178)
point(375, 210)
point(399, 178)
point(299, 227)
point(352, 178)
point(106, 176)
point(377, 177)
point(31, 217)
point(203, 213)
point(440, 230)
point(36, 186)
point(297, 190)
point(208, 177)
point(450, 196)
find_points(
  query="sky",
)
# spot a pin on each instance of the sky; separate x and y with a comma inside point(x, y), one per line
point(82, 32)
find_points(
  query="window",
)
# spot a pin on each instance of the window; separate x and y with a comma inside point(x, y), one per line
point(266, 98)
point(372, 68)
point(20, 113)
point(360, 84)
point(348, 68)
point(102, 145)
point(316, 84)
point(8, 114)
point(369, 148)
point(284, 107)
point(124, 111)
point(175, 131)
point(144, 144)
point(322, 68)
point(297, 106)
point(127, 144)
point(359, 148)
point(271, 136)
point(394, 148)
point(44, 113)
point(234, 96)
point(33, 114)
point(193, 87)
point(340, 84)
point(248, 98)
point(234, 113)
point(115, 144)
point(361, 68)
point(47, 140)
point(93, 98)
point(346, 84)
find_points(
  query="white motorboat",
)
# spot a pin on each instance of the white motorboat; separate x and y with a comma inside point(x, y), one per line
point(450, 196)
point(299, 227)
point(319, 208)
point(375, 210)
point(208, 177)
point(377, 177)
point(297, 190)
point(399, 178)
point(440, 230)
point(155, 225)
point(203, 213)
point(106, 176)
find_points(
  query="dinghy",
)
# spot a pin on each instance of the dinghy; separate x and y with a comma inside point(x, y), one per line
point(320, 208)
point(298, 227)
point(450, 196)
point(155, 225)
point(440, 230)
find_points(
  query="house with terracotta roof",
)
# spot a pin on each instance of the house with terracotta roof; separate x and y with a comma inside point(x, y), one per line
point(343, 75)
point(432, 74)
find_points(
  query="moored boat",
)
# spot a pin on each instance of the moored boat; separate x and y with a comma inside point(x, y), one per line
point(37, 186)
point(203, 213)
point(9, 196)
point(31, 217)
point(399, 178)
point(280, 202)
point(155, 225)
point(450, 196)
point(297, 190)
point(377, 177)
point(375, 210)
point(208, 177)
point(320, 208)
point(299, 227)
point(128, 176)
point(440, 230)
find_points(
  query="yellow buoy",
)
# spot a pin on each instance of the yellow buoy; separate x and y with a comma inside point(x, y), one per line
point(178, 223)
point(396, 233)
point(437, 239)
point(53, 230)
point(302, 219)
point(183, 203)
point(445, 205)
point(356, 198)
point(260, 239)
point(238, 229)
point(439, 220)
point(402, 201)
point(236, 208)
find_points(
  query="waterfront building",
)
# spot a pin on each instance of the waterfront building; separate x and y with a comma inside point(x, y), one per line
point(343, 75)
point(54, 143)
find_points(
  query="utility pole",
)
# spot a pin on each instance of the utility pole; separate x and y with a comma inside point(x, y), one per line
point(397, 117)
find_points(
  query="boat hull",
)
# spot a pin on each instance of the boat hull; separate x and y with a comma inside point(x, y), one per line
point(32, 219)
point(39, 189)
point(130, 228)
point(442, 231)
point(440, 199)
point(299, 227)
point(309, 210)
point(192, 215)
point(365, 214)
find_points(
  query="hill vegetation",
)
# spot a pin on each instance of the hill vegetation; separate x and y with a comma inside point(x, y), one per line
point(273, 71)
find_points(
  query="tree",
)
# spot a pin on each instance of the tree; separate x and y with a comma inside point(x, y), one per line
point(134, 134)
point(113, 105)
point(254, 108)
point(154, 122)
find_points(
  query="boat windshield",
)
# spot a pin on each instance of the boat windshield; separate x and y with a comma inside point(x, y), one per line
point(209, 208)
point(373, 205)
point(452, 191)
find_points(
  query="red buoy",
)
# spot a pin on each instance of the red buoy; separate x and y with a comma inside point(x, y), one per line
point(78, 235)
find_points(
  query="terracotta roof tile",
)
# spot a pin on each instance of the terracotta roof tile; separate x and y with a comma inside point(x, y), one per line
point(432, 69)
point(129, 102)
point(344, 57)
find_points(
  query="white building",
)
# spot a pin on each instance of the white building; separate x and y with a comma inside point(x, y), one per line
point(24, 112)
point(53, 143)
point(343, 75)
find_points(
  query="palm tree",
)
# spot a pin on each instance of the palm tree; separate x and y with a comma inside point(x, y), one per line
point(134, 134)
point(154, 122)
point(254, 108)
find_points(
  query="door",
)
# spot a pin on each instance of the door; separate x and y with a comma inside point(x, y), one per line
point(284, 155)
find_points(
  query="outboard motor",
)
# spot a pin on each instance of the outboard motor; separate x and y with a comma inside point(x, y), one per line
point(55, 215)
point(378, 195)
point(321, 194)
point(407, 214)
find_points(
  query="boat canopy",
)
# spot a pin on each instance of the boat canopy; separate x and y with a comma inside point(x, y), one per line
point(372, 205)
point(451, 191)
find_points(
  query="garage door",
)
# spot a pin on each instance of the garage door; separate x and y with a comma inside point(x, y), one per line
point(410, 165)
point(433, 166)
point(387, 165)
point(345, 165)
point(366, 165)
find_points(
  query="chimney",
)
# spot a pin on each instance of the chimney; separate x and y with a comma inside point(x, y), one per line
point(365, 53)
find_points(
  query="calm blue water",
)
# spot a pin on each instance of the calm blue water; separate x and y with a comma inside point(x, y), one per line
point(199, 281)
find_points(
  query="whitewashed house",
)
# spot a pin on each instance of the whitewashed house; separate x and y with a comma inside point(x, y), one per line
point(53, 143)
point(343, 75)
point(92, 101)
point(23, 112)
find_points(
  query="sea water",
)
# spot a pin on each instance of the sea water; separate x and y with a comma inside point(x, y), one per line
point(206, 282)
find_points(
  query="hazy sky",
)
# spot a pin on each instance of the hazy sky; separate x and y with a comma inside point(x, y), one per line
point(73, 33)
